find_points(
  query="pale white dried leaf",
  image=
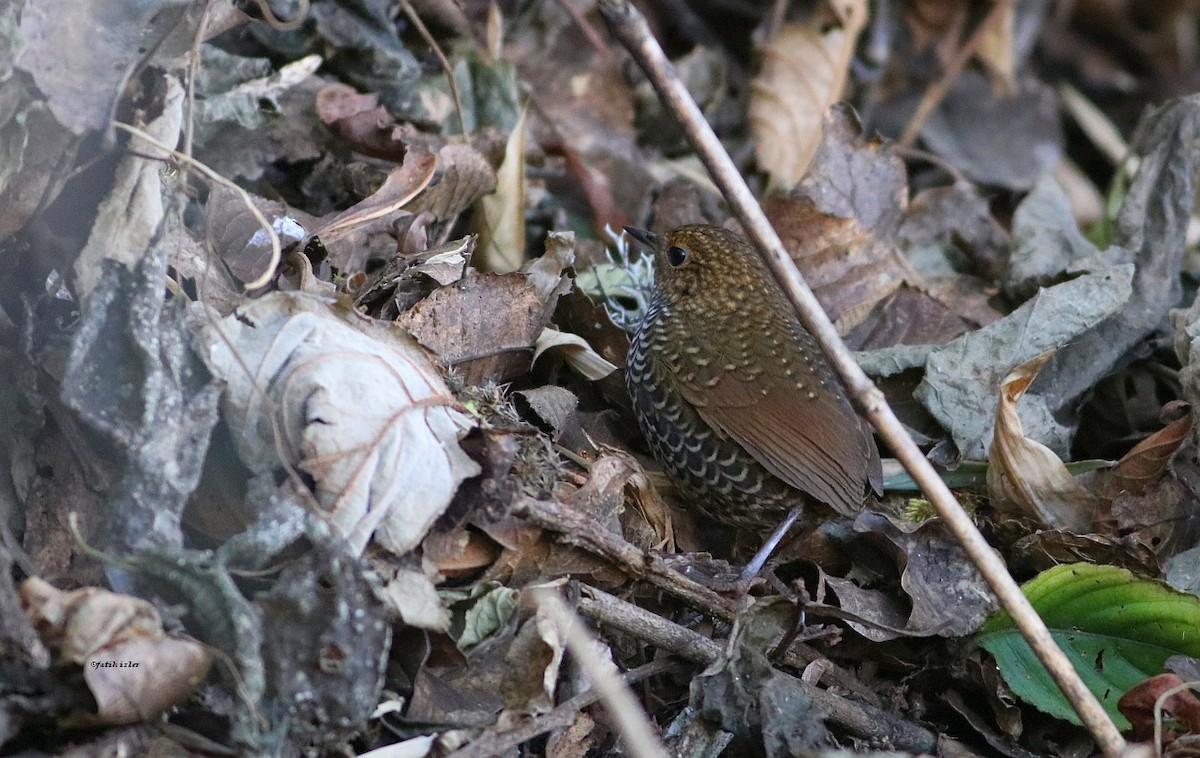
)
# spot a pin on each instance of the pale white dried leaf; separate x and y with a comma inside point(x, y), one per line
point(79, 622)
point(575, 350)
point(444, 268)
point(353, 403)
point(138, 679)
point(500, 220)
point(415, 747)
point(131, 213)
point(1026, 477)
point(415, 598)
point(803, 72)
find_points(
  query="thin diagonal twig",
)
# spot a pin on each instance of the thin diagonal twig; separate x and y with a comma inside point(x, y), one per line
point(631, 29)
point(446, 67)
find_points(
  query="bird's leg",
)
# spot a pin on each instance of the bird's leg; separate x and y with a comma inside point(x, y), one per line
point(760, 558)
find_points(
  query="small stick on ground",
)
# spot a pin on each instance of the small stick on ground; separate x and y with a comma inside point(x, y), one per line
point(592, 537)
point(636, 732)
point(493, 743)
point(862, 721)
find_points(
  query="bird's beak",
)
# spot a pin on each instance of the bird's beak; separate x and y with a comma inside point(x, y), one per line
point(643, 236)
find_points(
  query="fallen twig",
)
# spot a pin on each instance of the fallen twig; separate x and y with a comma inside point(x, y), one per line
point(861, 720)
point(592, 537)
point(637, 733)
point(492, 743)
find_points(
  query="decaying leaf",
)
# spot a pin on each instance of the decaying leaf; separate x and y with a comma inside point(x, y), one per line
point(238, 239)
point(945, 594)
point(134, 671)
point(1027, 477)
point(803, 72)
point(578, 354)
point(534, 659)
point(343, 233)
point(360, 120)
point(840, 223)
point(464, 176)
point(131, 214)
point(500, 220)
point(353, 404)
point(487, 326)
point(961, 376)
point(484, 326)
point(1147, 461)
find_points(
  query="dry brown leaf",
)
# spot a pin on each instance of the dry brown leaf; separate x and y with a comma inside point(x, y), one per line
point(1049, 547)
point(464, 176)
point(239, 240)
point(341, 233)
point(1147, 461)
point(500, 220)
point(133, 670)
point(485, 325)
point(530, 679)
point(78, 623)
point(575, 351)
point(360, 121)
point(849, 269)
point(996, 51)
point(167, 670)
point(460, 553)
point(908, 316)
point(840, 224)
point(1026, 476)
point(803, 73)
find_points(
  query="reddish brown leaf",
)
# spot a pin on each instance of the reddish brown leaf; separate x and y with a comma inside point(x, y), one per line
point(1138, 703)
point(1147, 461)
point(360, 121)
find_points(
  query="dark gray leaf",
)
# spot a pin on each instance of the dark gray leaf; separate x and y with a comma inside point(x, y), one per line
point(132, 378)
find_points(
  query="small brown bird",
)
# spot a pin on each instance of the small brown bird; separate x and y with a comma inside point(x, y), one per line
point(734, 395)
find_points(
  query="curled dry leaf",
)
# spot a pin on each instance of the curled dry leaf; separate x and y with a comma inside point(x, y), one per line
point(575, 350)
point(534, 660)
point(237, 237)
point(1147, 461)
point(78, 623)
point(1026, 476)
point(803, 72)
point(343, 234)
point(351, 403)
point(130, 216)
point(464, 175)
point(133, 670)
point(500, 220)
point(168, 669)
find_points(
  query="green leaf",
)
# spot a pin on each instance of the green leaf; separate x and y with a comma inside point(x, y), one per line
point(1117, 629)
point(481, 613)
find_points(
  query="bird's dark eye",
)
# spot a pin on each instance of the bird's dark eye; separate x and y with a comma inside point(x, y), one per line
point(676, 256)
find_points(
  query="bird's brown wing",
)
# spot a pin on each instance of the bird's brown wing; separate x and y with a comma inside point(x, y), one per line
point(817, 445)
